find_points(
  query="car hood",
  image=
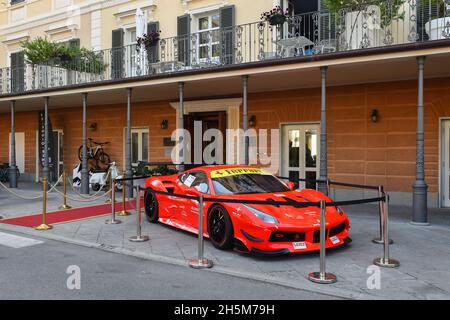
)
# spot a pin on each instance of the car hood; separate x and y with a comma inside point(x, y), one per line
point(290, 215)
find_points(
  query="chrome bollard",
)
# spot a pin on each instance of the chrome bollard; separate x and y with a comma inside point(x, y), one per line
point(111, 184)
point(322, 276)
point(385, 261)
point(113, 219)
point(200, 262)
point(138, 237)
point(380, 239)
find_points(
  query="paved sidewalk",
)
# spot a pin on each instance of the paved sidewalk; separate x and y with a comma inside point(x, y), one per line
point(423, 253)
point(13, 206)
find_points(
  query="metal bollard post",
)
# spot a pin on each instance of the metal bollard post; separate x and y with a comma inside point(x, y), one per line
point(124, 211)
point(200, 262)
point(44, 225)
point(138, 237)
point(322, 276)
point(109, 200)
point(65, 206)
point(380, 239)
point(385, 261)
point(113, 219)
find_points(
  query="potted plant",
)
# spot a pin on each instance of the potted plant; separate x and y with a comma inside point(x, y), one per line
point(276, 17)
point(148, 40)
point(439, 27)
point(372, 15)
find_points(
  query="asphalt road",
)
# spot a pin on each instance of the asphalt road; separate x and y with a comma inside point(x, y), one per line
point(39, 271)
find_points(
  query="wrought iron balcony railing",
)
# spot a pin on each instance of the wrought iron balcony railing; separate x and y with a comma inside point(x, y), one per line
point(393, 23)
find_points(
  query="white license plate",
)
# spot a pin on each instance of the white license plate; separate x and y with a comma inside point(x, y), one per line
point(335, 240)
point(299, 245)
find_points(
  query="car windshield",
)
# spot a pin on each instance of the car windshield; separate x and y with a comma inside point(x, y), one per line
point(248, 183)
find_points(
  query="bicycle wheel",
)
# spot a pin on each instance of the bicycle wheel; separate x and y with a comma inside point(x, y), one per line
point(103, 157)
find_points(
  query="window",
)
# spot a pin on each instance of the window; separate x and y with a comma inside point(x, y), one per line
point(16, 1)
point(209, 37)
point(139, 145)
point(197, 180)
point(130, 43)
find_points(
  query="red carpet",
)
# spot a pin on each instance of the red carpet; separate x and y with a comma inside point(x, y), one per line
point(69, 215)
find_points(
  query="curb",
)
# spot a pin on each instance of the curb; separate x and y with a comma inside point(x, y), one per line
point(303, 284)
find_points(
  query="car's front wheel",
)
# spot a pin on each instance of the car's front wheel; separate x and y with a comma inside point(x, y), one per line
point(151, 207)
point(220, 228)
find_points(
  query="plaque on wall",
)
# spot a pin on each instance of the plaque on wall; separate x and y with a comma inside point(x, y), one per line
point(167, 142)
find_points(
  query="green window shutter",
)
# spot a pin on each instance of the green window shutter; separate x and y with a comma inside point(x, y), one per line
point(327, 29)
point(117, 54)
point(183, 32)
point(426, 11)
point(17, 72)
point(227, 22)
point(153, 52)
point(74, 42)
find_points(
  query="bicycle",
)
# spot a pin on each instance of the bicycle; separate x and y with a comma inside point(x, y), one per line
point(95, 152)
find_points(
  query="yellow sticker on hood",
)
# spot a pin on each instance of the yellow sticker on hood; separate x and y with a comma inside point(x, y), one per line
point(236, 171)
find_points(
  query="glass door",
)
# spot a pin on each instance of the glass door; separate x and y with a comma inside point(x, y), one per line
point(300, 155)
point(58, 140)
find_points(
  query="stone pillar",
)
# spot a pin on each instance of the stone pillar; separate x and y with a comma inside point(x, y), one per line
point(420, 188)
point(12, 172)
point(323, 133)
point(181, 127)
point(245, 118)
point(84, 162)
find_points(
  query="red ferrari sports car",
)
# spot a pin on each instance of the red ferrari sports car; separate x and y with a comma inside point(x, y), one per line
point(258, 229)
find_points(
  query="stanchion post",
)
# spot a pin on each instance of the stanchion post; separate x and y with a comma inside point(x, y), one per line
point(138, 237)
point(65, 206)
point(380, 239)
point(386, 261)
point(44, 225)
point(111, 185)
point(113, 219)
point(124, 211)
point(200, 262)
point(322, 276)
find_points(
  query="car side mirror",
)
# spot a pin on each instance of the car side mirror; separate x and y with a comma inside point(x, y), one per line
point(290, 185)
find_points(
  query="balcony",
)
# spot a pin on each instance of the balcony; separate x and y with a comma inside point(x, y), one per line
point(311, 34)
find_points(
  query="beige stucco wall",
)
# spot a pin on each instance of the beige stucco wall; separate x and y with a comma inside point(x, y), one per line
point(74, 21)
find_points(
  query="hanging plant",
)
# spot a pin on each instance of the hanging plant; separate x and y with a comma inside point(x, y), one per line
point(276, 17)
point(148, 40)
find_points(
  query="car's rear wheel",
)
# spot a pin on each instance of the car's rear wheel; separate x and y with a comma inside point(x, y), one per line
point(220, 228)
point(151, 207)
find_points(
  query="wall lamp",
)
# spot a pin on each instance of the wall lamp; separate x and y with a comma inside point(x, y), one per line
point(93, 126)
point(252, 121)
point(374, 115)
point(164, 124)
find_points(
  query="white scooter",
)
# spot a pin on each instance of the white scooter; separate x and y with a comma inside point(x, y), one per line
point(97, 179)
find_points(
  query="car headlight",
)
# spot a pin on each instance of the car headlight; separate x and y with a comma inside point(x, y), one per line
point(339, 210)
point(262, 215)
